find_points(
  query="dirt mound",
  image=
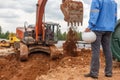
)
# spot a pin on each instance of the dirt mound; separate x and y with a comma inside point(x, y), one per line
point(9, 66)
point(41, 67)
point(12, 69)
point(69, 68)
point(74, 68)
point(38, 64)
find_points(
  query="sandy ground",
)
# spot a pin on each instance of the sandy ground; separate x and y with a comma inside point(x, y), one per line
point(41, 67)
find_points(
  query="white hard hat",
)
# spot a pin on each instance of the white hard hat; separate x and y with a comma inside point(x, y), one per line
point(88, 37)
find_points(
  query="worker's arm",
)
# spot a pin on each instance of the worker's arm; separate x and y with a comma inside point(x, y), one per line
point(94, 12)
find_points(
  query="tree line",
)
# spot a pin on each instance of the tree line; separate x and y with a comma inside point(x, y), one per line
point(61, 36)
point(3, 35)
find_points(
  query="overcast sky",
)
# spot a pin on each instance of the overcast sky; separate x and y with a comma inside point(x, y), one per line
point(14, 13)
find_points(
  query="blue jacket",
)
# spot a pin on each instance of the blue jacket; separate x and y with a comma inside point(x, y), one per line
point(103, 15)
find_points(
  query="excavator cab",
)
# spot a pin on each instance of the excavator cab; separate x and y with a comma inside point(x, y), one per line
point(51, 33)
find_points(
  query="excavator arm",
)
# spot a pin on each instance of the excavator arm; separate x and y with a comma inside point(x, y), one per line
point(39, 17)
point(72, 10)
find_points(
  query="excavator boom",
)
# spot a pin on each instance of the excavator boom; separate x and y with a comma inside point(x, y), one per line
point(39, 17)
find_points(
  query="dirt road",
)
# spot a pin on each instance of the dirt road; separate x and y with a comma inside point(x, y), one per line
point(41, 67)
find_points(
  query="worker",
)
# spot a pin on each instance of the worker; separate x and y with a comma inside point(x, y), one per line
point(103, 17)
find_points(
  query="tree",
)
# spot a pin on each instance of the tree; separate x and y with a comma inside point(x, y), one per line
point(0, 30)
point(64, 35)
point(7, 35)
point(60, 37)
point(4, 35)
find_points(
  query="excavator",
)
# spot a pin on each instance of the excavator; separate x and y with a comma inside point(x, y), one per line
point(43, 36)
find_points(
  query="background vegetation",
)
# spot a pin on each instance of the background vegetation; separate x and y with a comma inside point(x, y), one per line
point(3, 35)
point(61, 36)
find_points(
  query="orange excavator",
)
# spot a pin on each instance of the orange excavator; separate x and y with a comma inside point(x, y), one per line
point(40, 37)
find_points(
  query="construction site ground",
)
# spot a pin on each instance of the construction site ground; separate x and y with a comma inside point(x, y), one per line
point(41, 67)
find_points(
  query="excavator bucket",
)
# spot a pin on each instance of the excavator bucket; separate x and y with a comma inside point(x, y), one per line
point(73, 12)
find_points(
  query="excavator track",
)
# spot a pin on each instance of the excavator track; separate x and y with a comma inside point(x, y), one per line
point(25, 51)
point(54, 52)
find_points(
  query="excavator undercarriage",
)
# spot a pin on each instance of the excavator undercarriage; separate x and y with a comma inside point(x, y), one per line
point(26, 50)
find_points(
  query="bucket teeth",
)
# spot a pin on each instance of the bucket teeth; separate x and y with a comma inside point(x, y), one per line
point(72, 11)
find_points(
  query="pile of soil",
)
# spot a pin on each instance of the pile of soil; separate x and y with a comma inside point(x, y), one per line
point(9, 66)
point(74, 68)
